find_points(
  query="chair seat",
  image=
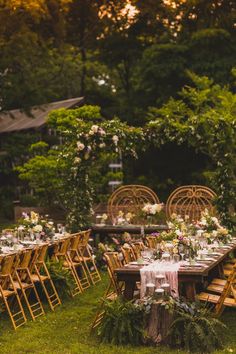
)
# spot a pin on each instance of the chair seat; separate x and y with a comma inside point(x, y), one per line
point(84, 258)
point(218, 281)
point(24, 285)
point(66, 264)
point(215, 298)
point(35, 277)
point(228, 266)
point(227, 272)
point(112, 296)
point(215, 288)
point(7, 293)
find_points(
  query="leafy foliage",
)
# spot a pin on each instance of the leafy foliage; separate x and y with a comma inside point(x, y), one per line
point(123, 323)
point(61, 277)
point(204, 117)
point(194, 328)
point(67, 173)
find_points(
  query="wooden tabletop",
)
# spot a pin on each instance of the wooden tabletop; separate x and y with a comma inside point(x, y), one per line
point(135, 229)
point(191, 270)
point(188, 276)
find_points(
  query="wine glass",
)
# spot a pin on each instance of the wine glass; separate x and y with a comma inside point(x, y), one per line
point(59, 228)
point(182, 251)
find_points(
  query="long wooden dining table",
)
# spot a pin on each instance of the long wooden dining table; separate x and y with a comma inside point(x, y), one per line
point(103, 232)
point(188, 276)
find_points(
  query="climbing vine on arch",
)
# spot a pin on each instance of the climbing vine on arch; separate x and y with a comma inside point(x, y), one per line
point(203, 116)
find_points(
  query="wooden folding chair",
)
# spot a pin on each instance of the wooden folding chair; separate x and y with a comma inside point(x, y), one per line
point(8, 292)
point(151, 241)
point(228, 266)
point(87, 258)
point(77, 262)
point(128, 254)
point(114, 288)
point(138, 247)
point(227, 291)
point(61, 254)
point(41, 274)
point(24, 283)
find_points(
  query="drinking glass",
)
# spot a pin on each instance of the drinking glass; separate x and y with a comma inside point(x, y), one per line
point(182, 251)
point(176, 258)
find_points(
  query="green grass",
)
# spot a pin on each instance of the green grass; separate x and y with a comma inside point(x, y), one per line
point(67, 331)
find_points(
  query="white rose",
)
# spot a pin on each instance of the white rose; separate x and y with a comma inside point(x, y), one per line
point(214, 233)
point(102, 132)
point(77, 160)
point(158, 207)
point(38, 228)
point(94, 129)
point(115, 139)
point(102, 145)
point(21, 228)
point(80, 146)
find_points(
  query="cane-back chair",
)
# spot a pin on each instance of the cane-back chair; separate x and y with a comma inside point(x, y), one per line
point(226, 290)
point(114, 288)
point(191, 201)
point(61, 254)
point(87, 258)
point(40, 273)
point(8, 292)
point(76, 259)
point(130, 199)
point(24, 282)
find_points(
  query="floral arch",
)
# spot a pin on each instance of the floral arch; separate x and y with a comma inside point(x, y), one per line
point(85, 135)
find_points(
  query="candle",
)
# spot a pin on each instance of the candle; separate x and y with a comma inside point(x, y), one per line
point(159, 279)
point(159, 294)
point(150, 288)
point(166, 288)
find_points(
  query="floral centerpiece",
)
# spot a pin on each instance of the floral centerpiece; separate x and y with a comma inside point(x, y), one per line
point(209, 227)
point(151, 211)
point(181, 234)
point(34, 224)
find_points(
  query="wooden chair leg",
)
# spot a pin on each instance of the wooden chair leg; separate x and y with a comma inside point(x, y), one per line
point(78, 288)
point(51, 294)
point(36, 308)
point(18, 318)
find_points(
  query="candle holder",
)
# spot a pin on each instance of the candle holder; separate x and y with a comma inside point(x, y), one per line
point(159, 280)
point(166, 288)
point(150, 288)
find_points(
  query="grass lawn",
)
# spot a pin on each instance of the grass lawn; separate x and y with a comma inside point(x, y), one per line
point(67, 331)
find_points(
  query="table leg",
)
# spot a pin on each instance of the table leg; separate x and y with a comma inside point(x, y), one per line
point(190, 291)
point(129, 290)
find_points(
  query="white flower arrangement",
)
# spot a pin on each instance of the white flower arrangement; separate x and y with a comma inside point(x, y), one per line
point(38, 228)
point(152, 209)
